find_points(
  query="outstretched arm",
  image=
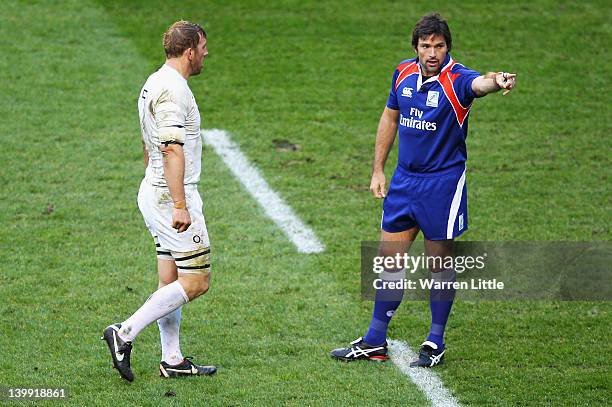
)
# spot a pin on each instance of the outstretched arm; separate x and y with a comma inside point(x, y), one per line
point(492, 82)
point(385, 136)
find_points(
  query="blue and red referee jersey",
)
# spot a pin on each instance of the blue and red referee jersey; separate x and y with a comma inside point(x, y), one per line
point(428, 186)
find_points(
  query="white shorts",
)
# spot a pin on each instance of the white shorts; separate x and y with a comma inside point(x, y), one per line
point(156, 206)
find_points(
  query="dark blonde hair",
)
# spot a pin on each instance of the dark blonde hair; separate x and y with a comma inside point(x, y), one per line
point(180, 36)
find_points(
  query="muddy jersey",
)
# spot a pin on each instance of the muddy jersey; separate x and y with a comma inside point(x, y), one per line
point(169, 114)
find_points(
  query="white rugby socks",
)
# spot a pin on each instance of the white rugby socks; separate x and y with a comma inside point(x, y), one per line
point(169, 327)
point(163, 301)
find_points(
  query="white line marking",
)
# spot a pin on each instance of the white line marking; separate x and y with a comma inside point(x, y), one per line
point(299, 233)
point(424, 378)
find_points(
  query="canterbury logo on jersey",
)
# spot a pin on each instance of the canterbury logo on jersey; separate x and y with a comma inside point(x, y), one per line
point(407, 92)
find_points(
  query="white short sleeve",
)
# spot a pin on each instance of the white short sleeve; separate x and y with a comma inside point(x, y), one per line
point(170, 116)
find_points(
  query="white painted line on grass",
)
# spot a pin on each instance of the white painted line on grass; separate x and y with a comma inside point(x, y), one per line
point(299, 233)
point(424, 378)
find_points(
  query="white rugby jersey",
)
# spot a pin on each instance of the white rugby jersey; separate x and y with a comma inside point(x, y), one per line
point(168, 112)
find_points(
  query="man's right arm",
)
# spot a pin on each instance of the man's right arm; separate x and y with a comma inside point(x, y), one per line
point(385, 136)
point(492, 82)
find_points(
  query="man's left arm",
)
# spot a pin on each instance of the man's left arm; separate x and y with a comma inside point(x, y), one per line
point(492, 82)
point(145, 153)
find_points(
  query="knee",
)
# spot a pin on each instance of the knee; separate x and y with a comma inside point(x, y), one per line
point(436, 270)
point(202, 287)
point(195, 287)
point(442, 274)
point(165, 280)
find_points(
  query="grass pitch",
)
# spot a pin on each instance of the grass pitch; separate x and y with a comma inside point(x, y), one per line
point(76, 255)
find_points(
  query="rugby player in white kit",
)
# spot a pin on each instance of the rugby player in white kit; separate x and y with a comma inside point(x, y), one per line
point(170, 203)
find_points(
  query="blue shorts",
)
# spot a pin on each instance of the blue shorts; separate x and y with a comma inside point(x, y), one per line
point(437, 203)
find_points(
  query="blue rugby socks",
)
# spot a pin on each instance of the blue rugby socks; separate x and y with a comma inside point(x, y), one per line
point(440, 303)
point(387, 302)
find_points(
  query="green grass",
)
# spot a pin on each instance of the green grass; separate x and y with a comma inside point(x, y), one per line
point(316, 75)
